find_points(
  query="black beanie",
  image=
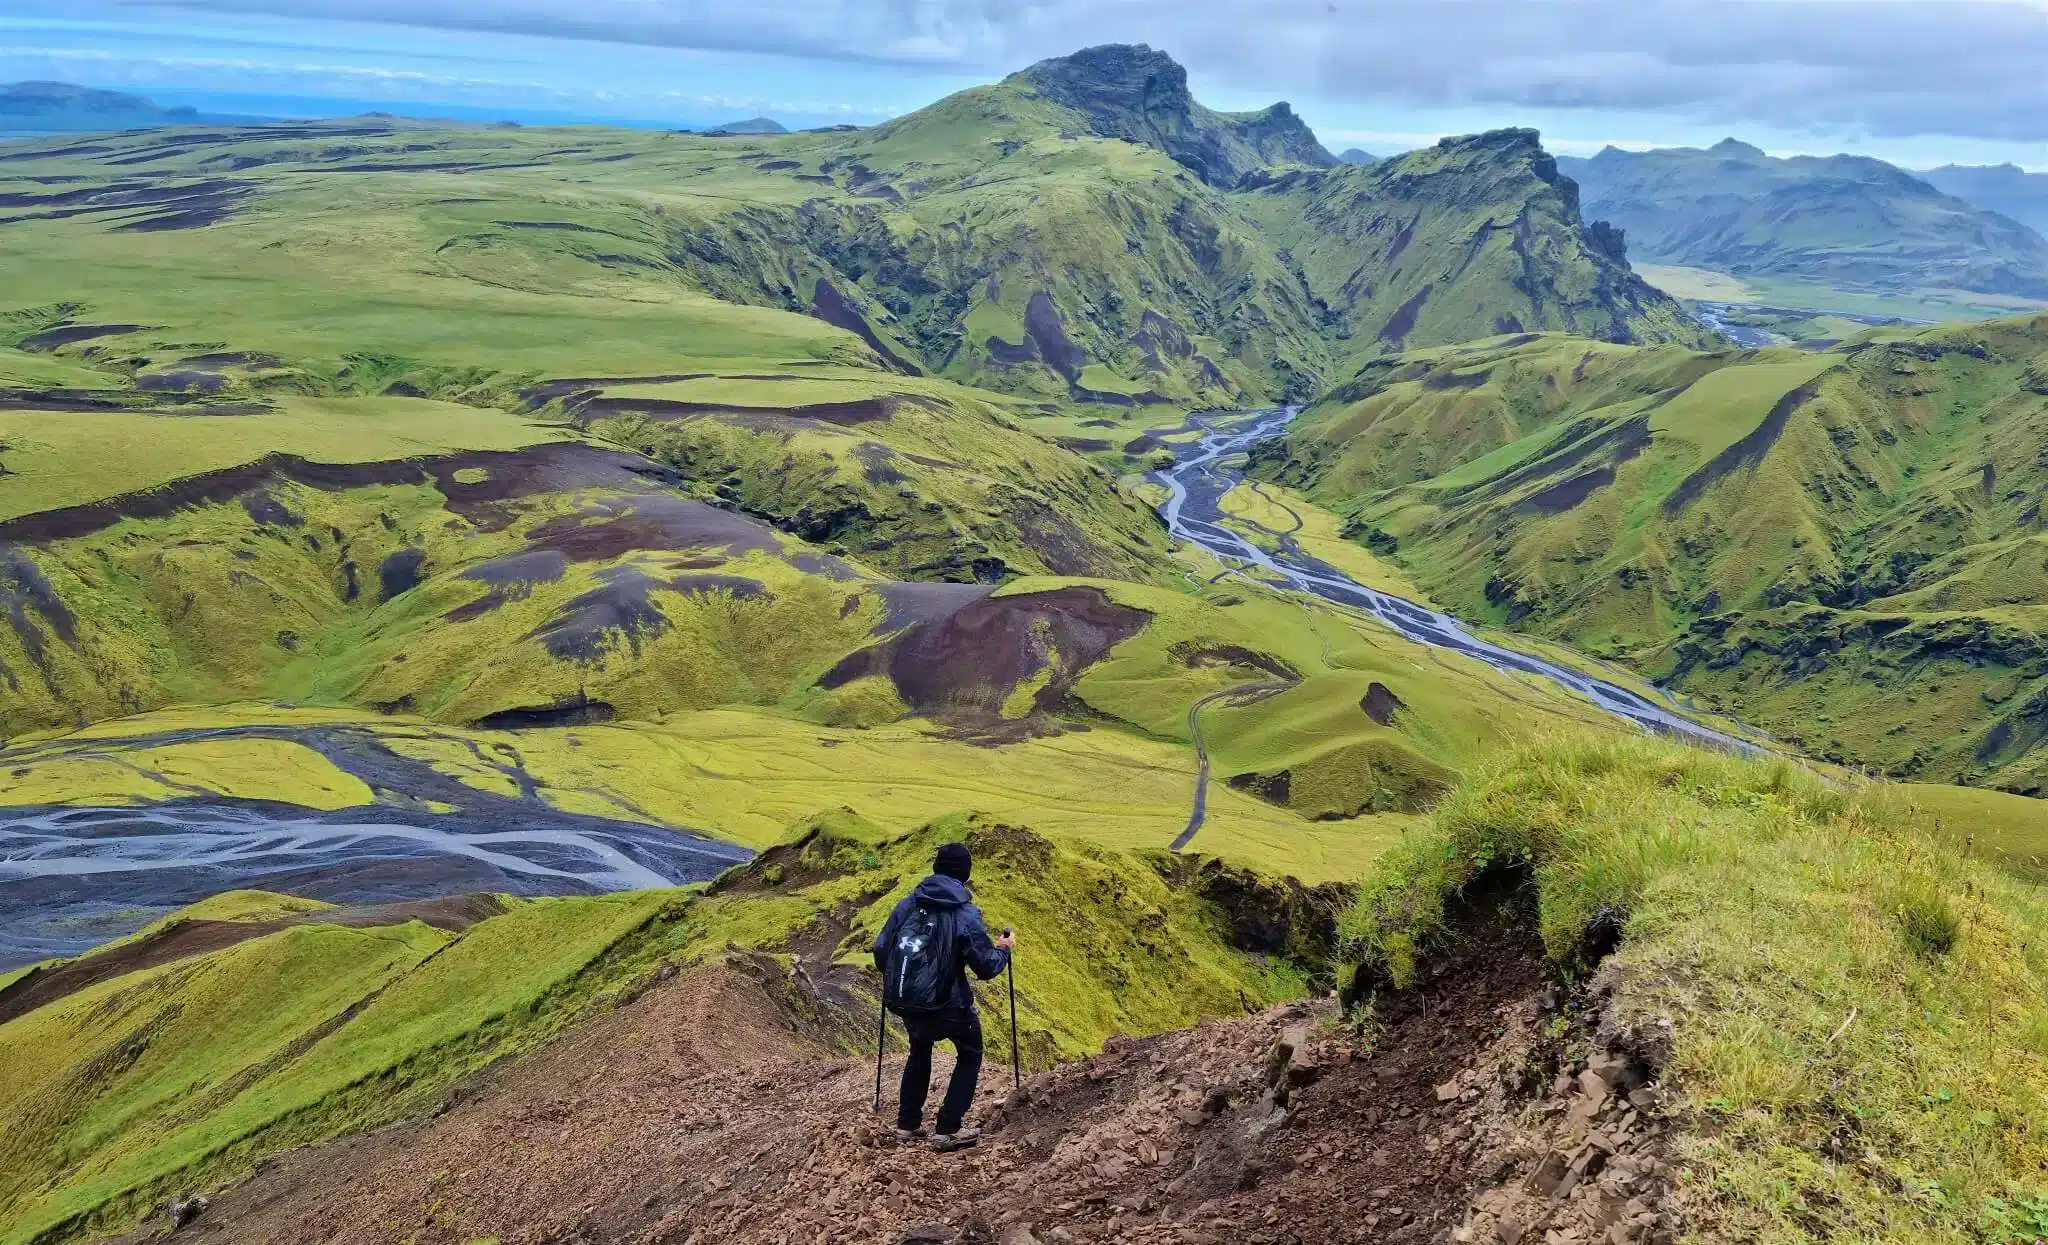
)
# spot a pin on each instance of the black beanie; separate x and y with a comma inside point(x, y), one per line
point(953, 860)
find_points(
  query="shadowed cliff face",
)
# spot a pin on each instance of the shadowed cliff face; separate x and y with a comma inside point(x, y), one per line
point(1131, 91)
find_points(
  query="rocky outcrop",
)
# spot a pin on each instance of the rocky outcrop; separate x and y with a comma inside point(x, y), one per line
point(1132, 92)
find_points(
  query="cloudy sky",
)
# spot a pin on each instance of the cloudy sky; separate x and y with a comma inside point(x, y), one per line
point(1917, 81)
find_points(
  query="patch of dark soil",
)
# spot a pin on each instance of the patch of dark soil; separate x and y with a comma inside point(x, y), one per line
point(234, 358)
point(1049, 333)
point(1084, 445)
point(843, 414)
point(400, 572)
point(825, 564)
point(1747, 452)
point(536, 396)
point(184, 381)
point(189, 218)
point(964, 666)
point(65, 335)
point(574, 711)
point(1568, 493)
point(1445, 378)
point(1580, 443)
point(507, 474)
point(1005, 354)
point(1380, 704)
point(738, 587)
point(25, 592)
point(261, 507)
point(606, 529)
point(1273, 788)
point(619, 610)
point(511, 579)
point(776, 166)
point(915, 603)
point(829, 305)
point(1143, 444)
point(1402, 322)
point(875, 459)
point(1194, 653)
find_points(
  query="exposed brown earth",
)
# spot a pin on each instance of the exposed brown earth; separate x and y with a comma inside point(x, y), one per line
point(962, 666)
point(706, 1111)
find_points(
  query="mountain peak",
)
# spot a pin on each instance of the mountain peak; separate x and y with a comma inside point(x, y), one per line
point(1736, 149)
point(1135, 92)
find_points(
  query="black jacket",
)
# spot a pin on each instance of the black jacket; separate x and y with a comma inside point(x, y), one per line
point(972, 947)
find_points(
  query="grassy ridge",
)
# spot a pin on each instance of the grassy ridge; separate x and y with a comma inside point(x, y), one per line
point(1850, 1008)
point(1793, 537)
point(164, 1080)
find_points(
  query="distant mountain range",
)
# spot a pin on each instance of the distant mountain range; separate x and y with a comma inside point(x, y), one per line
point(2003, 188)
point(1352, 155)
point(61, 108)
point(1850, 221)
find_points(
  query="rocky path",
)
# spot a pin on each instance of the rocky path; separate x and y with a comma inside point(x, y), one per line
point(703, 1112)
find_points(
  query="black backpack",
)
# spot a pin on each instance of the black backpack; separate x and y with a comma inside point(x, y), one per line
point(921, 963)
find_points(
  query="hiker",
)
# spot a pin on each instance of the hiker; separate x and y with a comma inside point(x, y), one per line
point(924, 951)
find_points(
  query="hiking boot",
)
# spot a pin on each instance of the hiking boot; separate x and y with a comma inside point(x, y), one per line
point(958, 1140)
point(913, 1134)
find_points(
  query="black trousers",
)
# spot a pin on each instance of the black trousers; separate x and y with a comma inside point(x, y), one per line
point(963, 1030)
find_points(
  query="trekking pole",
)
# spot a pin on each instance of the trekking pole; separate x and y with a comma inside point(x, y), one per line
point(881, 1039)
point(1016, 1060)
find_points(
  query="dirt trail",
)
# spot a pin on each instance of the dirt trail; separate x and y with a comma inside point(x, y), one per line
point(702, 1112)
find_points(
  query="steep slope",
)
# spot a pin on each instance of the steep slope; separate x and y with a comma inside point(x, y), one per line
point(2005, 189)
point(1472, 237)
point(1842, 547)
point(1846, 220)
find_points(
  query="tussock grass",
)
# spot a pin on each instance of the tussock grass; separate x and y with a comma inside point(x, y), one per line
point(1850, 1009)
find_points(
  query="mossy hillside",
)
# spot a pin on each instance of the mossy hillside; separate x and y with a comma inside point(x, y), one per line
point(57, 459)
point(1096, 925)
point(457, 261)
point(1852, 1008)
point(147, 1083)
point(360, 1027)
point(1723, 522)
point(1472, 237)
point(948, 485)
point(379, 585)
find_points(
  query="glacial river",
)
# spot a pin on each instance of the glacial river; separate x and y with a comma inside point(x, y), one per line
point(71, 878)
point(1207, 468)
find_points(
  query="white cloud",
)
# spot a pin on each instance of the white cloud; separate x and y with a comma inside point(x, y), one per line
point(1886, 68)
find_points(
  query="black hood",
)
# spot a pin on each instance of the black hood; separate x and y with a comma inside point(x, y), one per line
point(940, 891)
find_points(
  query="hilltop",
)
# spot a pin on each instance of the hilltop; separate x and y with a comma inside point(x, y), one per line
point(1849, 221)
